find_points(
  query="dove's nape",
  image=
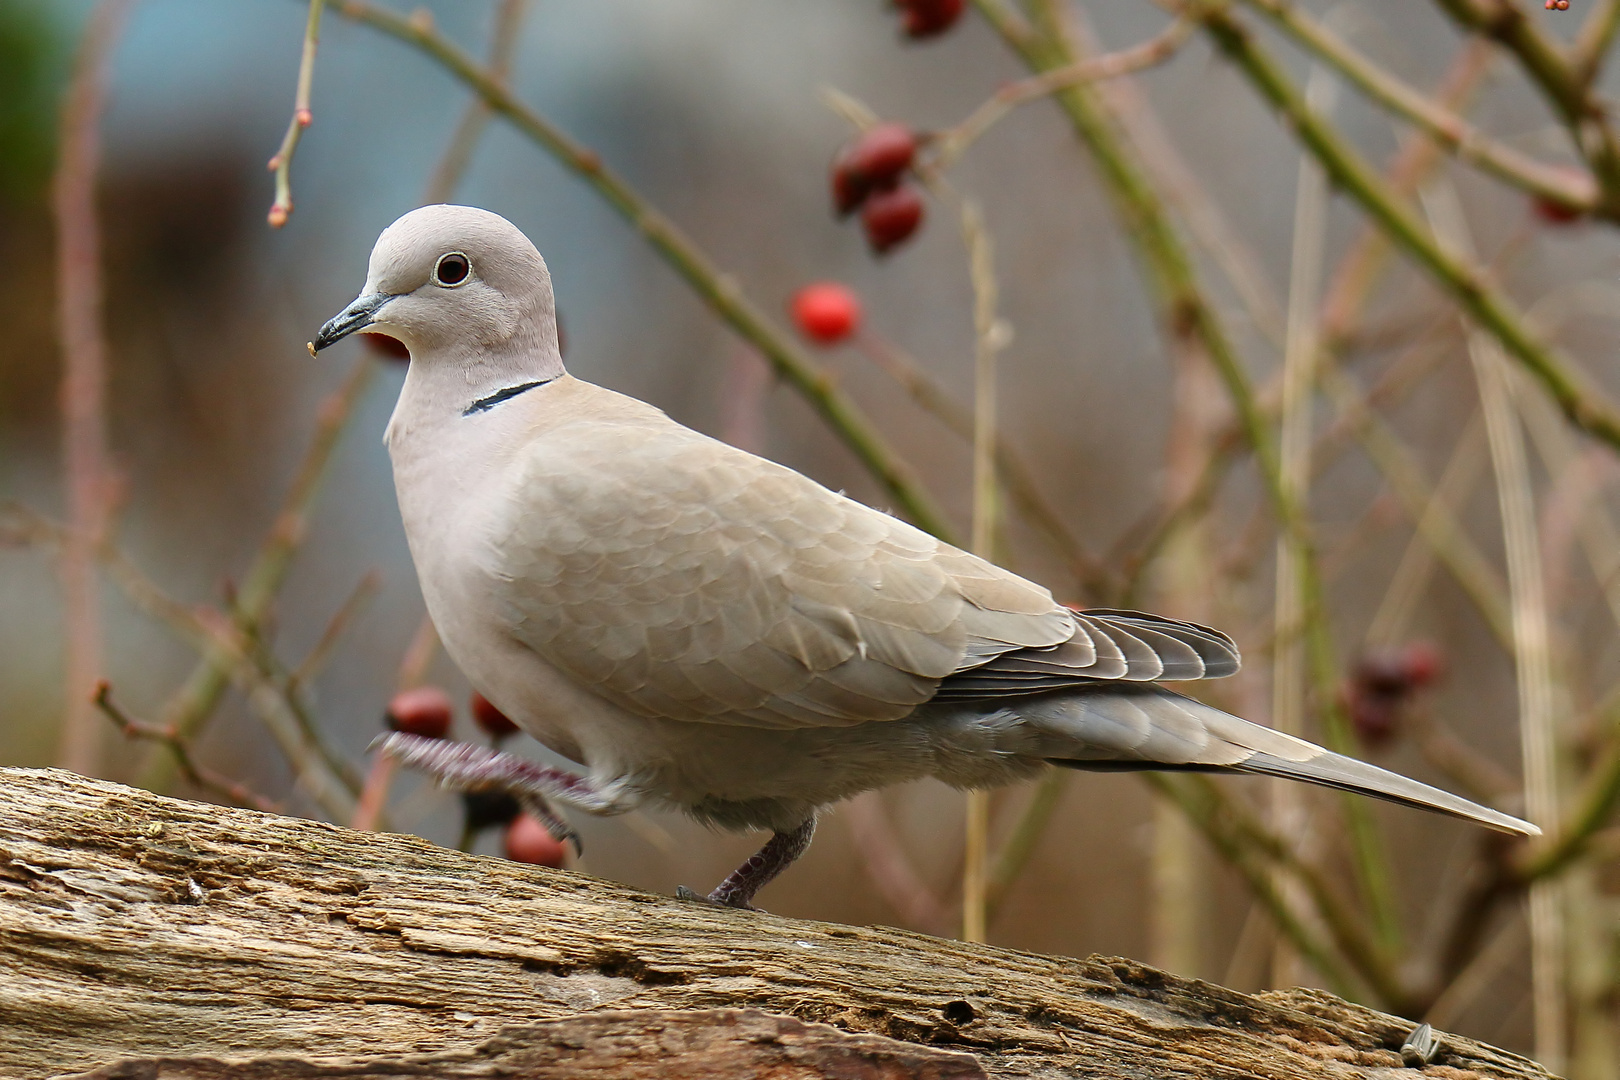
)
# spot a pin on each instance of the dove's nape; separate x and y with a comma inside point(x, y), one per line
point(704, 629)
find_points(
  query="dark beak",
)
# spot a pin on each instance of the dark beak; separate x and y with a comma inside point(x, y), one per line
point(357, 316)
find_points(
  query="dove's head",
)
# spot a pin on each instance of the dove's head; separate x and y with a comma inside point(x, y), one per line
point(459, 286)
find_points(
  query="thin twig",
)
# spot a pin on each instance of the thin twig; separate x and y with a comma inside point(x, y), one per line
point(1364, 262)
point(1439, 528)
point(1476, 978)
point(1018, 481)
point(312, 664)
point(281, 164)
point(203, 777)
point(265, 676)
point(1195, 802)
point(191, 706)
point(1207, 224)
point(475, 117)
point(1477, 775)
point(954, 141)
point(319, 768)
point(1411, 578)
point(84, 380)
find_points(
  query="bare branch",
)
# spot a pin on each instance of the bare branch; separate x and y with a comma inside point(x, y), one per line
point(281, 164)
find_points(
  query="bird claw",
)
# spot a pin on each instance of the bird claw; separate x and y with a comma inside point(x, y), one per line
point(554, 822)
point(683, 893)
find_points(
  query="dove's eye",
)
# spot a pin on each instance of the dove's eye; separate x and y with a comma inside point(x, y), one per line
point(452, 270)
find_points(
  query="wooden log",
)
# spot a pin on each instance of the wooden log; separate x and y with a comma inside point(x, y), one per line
point(137, 926)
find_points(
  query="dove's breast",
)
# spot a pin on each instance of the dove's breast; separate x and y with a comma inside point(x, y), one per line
point(453, 478)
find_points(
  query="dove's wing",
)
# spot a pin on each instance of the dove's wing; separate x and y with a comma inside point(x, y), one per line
point(682, 578)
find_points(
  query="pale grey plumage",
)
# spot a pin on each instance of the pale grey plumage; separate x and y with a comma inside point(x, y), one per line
point(702, 627)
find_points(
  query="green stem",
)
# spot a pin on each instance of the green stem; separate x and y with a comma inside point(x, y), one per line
point(1592, 43)
point(1563, 78)
point(1444, 126)
point(1593, 810)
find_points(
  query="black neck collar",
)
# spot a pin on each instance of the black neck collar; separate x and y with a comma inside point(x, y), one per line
point(484, 404)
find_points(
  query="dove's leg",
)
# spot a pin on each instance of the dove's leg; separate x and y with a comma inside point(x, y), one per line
point(760, 870)
point(468, 767)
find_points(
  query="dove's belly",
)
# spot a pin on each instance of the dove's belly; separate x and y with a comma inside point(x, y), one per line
point(731, 775)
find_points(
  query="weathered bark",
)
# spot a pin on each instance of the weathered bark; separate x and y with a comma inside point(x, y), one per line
point(643, 1044)
point(133, 925)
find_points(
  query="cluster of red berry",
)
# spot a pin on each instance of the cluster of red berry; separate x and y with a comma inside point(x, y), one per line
point(869, 175)
point(1557, 5)
point(1382, 684)
point(427, 711)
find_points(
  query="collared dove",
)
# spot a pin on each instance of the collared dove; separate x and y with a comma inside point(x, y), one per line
point(702, 628)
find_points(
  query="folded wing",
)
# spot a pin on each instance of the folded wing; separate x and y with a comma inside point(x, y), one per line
point(682, 578)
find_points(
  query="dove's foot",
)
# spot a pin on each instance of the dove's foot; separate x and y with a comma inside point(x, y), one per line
point(468, 767)
point(739, 888)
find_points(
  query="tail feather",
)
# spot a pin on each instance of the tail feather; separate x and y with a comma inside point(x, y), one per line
point(1148, 728)
point(1347, 774)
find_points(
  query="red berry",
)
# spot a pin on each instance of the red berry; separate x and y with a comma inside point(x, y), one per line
point(872, 161)
point(529, 841)
point(1423, 662)
point(1375, 717)
point(1553, 212)
point(928, 18)
point(889, 217)
point(424, 711)
point(826, 312)
point(386, 346)
point(494, 723)
point(1382, 673)
point(1383, 682)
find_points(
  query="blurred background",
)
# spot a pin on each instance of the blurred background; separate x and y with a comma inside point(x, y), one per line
point(1458, 525)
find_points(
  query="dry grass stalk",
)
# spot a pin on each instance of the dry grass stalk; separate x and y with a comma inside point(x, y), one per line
point(1532, 635)
point(1290, 682)
point(989, 338)
point(84, 381)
